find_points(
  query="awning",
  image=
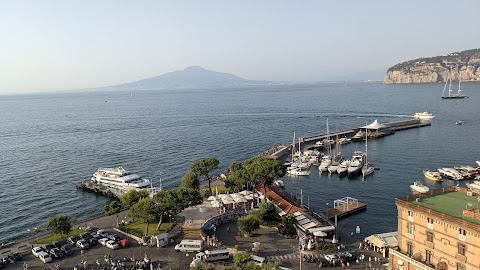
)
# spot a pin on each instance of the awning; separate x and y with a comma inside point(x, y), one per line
point(384, 239)
point(319, 233)
point(374, 125)
point(326, 228)
point(375, 240)
point(309, 225)
point(304, 221)
point(300, 217)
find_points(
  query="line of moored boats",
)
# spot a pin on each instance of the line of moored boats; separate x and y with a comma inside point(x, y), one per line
point(455, 173)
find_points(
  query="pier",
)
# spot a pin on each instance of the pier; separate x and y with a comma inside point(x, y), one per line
point(344, 207)
point(90, 186)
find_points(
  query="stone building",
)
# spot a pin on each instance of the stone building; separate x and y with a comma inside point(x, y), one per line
point(438, 230)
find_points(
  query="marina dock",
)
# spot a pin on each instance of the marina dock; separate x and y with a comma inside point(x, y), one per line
point(345, 207)
point(90, 186)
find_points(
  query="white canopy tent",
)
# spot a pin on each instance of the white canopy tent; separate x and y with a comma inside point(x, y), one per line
point(375, 125)
point(384, 239)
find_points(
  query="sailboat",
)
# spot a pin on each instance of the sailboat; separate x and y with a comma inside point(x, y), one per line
point(326, 159)
point(449, 83)
point(337, 157)
point(367, 167)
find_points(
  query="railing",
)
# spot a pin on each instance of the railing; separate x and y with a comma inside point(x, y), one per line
point(411, 261)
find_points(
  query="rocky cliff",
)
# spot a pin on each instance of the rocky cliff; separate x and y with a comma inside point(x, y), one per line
point(465, 64)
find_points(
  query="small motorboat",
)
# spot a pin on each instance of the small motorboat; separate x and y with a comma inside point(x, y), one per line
point(419, 187)
point(434, 176)
point(279, 183)
point(459, 122)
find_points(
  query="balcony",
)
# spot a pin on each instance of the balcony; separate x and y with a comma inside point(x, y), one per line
point(410, 218)
point(430, 226)
point(410, 261)
point(462, 237)
point(461, 258)
point(411, 236)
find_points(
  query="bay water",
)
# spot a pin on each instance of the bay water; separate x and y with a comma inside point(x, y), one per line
point(50, 141)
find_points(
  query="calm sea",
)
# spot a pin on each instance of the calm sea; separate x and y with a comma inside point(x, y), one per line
point(50, 141)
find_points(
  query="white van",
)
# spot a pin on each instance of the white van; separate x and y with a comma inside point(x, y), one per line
point(258, 260)
point(188, 245)
point(210, 256)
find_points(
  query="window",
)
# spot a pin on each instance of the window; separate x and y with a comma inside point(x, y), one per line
point(462, 232)
point(429, 257)
point(461, 249)
point(409, 248)
point(410, 228)
point(460, 266)
point(410, 213)
point(430, 236)
point(430, 220)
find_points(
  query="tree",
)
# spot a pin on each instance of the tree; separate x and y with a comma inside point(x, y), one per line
point(112, 209)
point(61, 224)
point(288, 222)
point(145, 209)
point(263, 170)
point(173, 201)
point(203, 266)
point(133, 196)
point(248, 224)
point(235, 166)
point(268, 211)
point(190, 180)
point(242, 261)
point(204, 167)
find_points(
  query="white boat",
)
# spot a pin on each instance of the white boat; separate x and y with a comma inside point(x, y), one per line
point(459, 122)
point(298, 172)
point(333, 167)
point(343, 167)
point(434, 176)
point(358, 136)
point(424, 116)
point(475, 186)
point(120, 178)
point(451, 173)
point(356, 163)
point(278, 183)
point(478, 162)
point(325, 163)
point(367, 167)
point(449, 83)
point(418, 187)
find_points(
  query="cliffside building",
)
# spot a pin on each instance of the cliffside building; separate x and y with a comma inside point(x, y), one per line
point(438, 230)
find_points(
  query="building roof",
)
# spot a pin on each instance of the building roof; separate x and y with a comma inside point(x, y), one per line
point(374, 125)
point(449, 203)
point(281, 201)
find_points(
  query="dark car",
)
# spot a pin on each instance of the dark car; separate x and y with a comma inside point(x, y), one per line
point(114, 237)
point(56, 253)
point(95, 236)
point(66, 250)
point(88, 237)
point(73, 240)
point(48, 247)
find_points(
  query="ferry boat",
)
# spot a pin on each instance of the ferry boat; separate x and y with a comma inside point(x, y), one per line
point(424, 116)
point(451, 173)
point(120, 178)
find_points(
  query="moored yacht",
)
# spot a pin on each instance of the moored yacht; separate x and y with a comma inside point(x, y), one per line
point(434, 176)
point(343, 167)
point(475, 186)
point(419, 187)
point(356, 163)
point(325, 163)
point(451, 173)
point(298, 171)
point(120, 178)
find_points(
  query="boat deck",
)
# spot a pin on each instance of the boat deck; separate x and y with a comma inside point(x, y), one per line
point(345, 210)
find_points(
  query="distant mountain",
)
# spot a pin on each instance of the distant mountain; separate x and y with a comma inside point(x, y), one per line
point(190, 77)
point(464, 64)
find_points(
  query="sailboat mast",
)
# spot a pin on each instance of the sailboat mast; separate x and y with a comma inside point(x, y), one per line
point(459, 80)
point(293, 144)
point(450, 85)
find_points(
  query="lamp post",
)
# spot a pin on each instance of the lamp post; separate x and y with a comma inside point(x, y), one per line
point(170, 216)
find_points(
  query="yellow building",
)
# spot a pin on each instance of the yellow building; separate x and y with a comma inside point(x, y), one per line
point(438, 230)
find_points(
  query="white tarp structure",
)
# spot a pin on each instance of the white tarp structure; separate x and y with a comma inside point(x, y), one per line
point(162, 239)
point(384, 239)
point(375, 125)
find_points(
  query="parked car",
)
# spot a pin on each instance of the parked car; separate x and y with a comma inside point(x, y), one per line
point(48, 247)
point(66, 250)
point(56, 253)
point(331, 258)
point(44, 257)
point(17, 256)
point(95, 235)
point(114, 237)
point(82, 244)
point(73, 240)
point(123, 243)
point(87, 237)
point(103, 233)
point(36, 250)
point(112, 244)
point(103, 241)
point(57, 245)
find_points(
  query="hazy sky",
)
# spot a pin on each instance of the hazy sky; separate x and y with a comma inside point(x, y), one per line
point(58, 45)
